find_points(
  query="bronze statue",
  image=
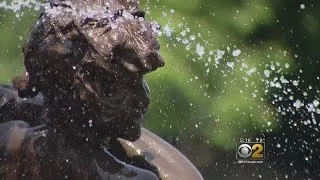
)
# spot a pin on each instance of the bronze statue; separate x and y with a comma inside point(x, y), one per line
point(76, 113)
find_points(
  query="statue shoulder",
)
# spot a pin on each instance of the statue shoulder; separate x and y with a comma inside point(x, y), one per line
point(7, 102)
point(12, 107)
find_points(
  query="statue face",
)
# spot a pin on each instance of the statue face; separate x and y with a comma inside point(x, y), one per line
point(130, 114)
point(95, 64)
point(120, 98)
point(123, 50)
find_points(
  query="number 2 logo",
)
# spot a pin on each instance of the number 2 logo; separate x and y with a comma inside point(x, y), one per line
point(257, 151)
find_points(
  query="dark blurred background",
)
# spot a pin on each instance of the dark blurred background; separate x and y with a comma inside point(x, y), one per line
point(234, 69)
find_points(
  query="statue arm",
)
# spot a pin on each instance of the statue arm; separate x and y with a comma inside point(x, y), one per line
point(169, 162)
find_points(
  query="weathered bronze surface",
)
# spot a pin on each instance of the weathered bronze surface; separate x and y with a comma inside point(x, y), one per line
point(83, 90)
point(43, 152)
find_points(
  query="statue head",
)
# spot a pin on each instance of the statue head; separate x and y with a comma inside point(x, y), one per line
point(89, 63)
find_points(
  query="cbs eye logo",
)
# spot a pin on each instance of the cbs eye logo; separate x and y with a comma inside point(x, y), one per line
point(250, 151)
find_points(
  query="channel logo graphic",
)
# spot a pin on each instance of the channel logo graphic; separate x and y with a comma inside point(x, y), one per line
point(251, 151)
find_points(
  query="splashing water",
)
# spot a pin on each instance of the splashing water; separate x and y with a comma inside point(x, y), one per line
point(17, 6)
point(235, 90)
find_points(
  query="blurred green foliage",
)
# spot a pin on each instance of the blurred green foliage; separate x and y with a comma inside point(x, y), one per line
point(194, 95)
point(14, 28)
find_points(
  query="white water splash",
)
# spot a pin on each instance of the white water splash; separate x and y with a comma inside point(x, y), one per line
point(16, 6)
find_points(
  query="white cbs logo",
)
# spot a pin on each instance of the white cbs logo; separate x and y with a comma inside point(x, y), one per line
point(256, 151)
